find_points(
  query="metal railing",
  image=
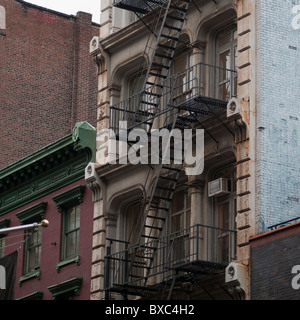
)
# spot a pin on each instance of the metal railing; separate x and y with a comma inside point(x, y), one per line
point(140, 6)
point(182, 88)
point(284, 223)
point(183, 248)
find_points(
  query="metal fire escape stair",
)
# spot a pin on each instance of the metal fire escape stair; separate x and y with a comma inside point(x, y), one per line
point(166, 43)
point(158, 203)
point(172, 16)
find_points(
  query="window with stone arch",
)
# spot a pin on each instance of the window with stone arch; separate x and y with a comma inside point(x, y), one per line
point(2, 18)
point(226, 49)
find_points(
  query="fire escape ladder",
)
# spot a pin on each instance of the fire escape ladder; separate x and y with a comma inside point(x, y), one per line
point(158, 203)
point(172, 18)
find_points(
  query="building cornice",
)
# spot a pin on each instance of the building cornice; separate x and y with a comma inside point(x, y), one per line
point(48, 169)
point(128, 33)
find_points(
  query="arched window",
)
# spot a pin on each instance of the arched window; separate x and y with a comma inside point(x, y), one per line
point(227, 61)
point(2, 18)
point(225, 214)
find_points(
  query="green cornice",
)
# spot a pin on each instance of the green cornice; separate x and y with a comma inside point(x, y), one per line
point(70, 198)
point(35, 213)
point(48, 169)
point(84, 137)
point(4, 223)
point(66, 288)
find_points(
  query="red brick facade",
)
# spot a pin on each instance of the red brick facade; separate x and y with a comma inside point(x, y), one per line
point(51, 248)
point(48, 81)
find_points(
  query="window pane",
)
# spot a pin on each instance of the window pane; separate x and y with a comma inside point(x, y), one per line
point(188, 219)
point(136, 83)
point(34, 258)
point(225, 63)
point(33, 252)
point(71, 227)
point(224, 216)
point(132, 222)
point(2, 247)
point(224, 249)
point(224, 39)
point(71, 244)
point(223, 235)
point(178, 201)
point(176, 223)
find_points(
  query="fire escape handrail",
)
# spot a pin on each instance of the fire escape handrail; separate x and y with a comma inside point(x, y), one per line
point(176, 250)
point(196, 80)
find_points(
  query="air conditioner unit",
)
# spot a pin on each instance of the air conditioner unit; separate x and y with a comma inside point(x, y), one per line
point(94, 45)
point(219, 187)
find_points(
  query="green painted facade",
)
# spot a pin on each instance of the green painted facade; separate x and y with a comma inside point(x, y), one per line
point(48, 169)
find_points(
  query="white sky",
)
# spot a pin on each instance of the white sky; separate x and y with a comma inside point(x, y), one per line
point(71, 6)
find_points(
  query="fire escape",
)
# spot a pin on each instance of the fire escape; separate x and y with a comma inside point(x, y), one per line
point(156, 263)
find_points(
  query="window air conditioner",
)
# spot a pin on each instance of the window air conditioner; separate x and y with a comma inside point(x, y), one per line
point(219, 187)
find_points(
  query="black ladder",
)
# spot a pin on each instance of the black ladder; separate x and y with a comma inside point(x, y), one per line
point(158, 203)
point(172, 17)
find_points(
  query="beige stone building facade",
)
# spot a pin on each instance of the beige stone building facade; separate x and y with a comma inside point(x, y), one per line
point(159, 232)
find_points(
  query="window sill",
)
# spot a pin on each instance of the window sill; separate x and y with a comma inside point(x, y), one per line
point(65, 262)
point(28, 276)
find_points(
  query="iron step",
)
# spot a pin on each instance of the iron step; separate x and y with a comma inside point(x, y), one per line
point(152, 94)
point(172, 27)
point(154, 84)
point(154, 217)
point(153, 227)
point(183, 10)
point(150, 237)
point(144, 257)
point(157, 75)
point(164, 46)
point(159, 208)
point(165, 188)
point(170, 16)
point(162, 198)
point(164, 56)
point(150, 103)
point(169, 37)
point(159, 65)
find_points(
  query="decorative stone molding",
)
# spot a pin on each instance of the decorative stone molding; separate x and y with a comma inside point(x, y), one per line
point(67, 288)
point(93, 181)
point(48, 169)
point(35, 213)
point(70, 198)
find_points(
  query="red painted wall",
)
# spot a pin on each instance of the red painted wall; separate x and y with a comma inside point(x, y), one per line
point(51, 253)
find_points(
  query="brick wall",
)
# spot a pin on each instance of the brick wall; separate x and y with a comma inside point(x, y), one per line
point(48, 81)
point(51, 247)
point(273, 256)
point(278, 112)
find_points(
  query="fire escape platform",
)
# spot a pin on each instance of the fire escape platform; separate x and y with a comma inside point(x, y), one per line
point(139, 6)
point(192, 99)
point(201, 267)
point(198, 268)
point(202, 107)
